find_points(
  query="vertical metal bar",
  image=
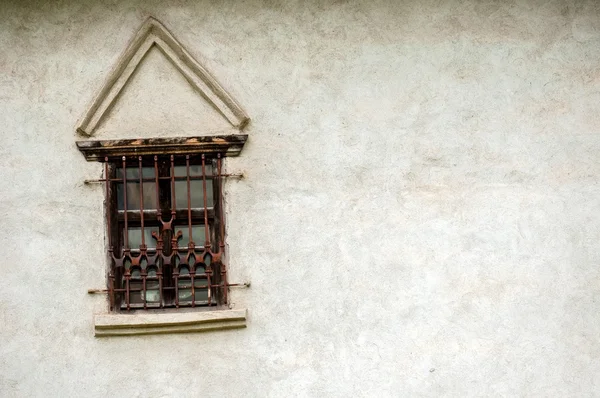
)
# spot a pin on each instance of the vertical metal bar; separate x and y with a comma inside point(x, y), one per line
point(160, 289)
point(174, 244)
point(111, 277)
point(143, 245)
point(107, 203)
point(159, 241)
point(176, 289)
point(127, 289)
point(126, 239)
point(189, 200)
point(158, 209)
point(221, 221)
point(141, 202)
point(222, 228)
point(144, 288)
point(206, 234)
point(190, 238)
point(111, 288)
point(208, 282)
point(207, 247)
point(174, 199)
point(192, 280)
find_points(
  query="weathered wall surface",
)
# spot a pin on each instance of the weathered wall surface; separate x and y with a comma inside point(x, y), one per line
point(420, 217)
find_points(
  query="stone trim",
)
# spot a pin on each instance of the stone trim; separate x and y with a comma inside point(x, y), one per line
point(153, 33)
point(97, 150)
point(172, 322)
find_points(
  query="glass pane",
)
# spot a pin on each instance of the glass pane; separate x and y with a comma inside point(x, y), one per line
point(201, 293)
point(133, 196)
point(197, 200)
point(134, 172)
point(195, 170)
point(196, 196)
point(152, 293)
point(135, 237)
point(135, 297)
point(133, 189)
point(184, 294)
point(197, 235)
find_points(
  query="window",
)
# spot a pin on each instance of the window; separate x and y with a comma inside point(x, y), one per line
point(164, 218)
point(164, 202)
point(165, 230)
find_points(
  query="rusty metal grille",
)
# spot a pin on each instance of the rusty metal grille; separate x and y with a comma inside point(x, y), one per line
point(166, 233)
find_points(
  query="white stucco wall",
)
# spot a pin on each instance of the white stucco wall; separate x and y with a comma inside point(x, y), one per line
point(420, 214)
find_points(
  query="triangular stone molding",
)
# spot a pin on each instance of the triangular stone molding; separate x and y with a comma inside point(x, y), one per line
point(151, 33)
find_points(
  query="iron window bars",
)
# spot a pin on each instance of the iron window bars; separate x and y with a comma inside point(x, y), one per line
point(165, 231)
point(164, 215)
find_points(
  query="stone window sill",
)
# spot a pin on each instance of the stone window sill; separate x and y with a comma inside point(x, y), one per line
point(174, 322)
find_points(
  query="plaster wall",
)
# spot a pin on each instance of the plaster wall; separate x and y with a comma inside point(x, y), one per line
point(420, 214)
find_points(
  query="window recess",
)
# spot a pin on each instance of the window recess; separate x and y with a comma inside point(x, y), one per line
point(165, 221)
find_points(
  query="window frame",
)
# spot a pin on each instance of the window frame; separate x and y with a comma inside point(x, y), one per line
point(214, 147)
point(130, 290)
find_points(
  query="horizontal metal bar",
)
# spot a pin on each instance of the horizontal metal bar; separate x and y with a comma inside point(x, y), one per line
point(135, 215)
point(153, 211)
point(155, 305)
point(104, 291)
point(183, 249)
point(178, 178)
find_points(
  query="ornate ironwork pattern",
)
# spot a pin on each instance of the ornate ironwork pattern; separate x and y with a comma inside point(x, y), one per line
point(163, 254)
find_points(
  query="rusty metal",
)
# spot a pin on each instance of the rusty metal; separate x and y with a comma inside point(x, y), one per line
point(174, 274)
point(241, 285)
point(222, 231)
point(143, 246)
point(96, 150)
point(190, 253)
point(111, 276)
point(208, 177)
point(157, 235)
point(207, 245)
